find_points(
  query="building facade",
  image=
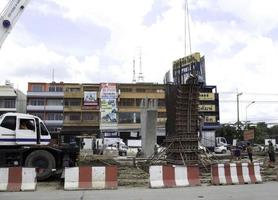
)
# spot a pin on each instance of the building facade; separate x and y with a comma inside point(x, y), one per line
point(95, 109)
point(81, 110)
point(46, 100)
point(129, 100)
point(11, 99)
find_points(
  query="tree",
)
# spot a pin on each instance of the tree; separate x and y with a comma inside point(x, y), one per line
point(261, 132)
point(273, 132)
point(227, 131)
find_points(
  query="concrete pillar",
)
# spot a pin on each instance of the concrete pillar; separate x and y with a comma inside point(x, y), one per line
point(148, 126)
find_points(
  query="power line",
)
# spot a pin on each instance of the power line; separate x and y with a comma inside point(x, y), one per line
point(249, 93)
point(248, 101)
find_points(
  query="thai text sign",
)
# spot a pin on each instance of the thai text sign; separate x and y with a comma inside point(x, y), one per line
point(210, 119)
point(207, 108)
point(204, 96)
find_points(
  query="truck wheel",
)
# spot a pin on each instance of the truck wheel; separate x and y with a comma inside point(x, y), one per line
point(43, 161)
point(223, 151)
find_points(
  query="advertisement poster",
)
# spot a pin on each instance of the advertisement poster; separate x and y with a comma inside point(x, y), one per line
point(108, 106)
point(90, 98)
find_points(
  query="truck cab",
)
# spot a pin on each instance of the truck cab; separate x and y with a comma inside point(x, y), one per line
point(221, 141)
point(25, 141)
point(22, 129)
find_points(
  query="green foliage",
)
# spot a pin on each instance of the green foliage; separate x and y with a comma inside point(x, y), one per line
point(227, 131)
point(261, 132)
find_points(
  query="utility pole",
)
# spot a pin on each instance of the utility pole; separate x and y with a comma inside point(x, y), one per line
point(247, 108)
point(237, 101)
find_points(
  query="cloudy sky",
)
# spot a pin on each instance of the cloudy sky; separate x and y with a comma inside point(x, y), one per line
point(96, 41)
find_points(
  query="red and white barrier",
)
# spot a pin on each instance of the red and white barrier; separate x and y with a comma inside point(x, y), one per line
point(78, 178)
point(235, 173)
point(174, 176)
point(15, 179)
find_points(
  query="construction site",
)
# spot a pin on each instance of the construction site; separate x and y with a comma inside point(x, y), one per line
point(131, 137)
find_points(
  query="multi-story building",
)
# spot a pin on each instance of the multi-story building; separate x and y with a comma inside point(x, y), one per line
point(11, 99)
point(45, 100)
point(74, 109)
point(81, 109)
point(129, 102)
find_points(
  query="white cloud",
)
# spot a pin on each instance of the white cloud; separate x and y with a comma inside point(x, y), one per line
point(239, 55)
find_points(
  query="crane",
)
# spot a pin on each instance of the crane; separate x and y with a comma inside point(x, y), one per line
point(9, 17)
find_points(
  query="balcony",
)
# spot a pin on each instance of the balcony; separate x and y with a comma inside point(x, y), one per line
point(45, 108)
point(53, 122)
point(73, 95)
point(142, 95)
point(7, 109)
point(45, 94)
point(81, 123)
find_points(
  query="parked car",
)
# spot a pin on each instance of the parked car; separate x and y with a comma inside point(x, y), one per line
point(257, 147)
point(220, 149)
point(242, 145)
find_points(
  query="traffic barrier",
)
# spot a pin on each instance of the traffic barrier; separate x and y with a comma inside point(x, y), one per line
point(78, 178)
point(174, 176)
point(15, 179)
point(235, 173)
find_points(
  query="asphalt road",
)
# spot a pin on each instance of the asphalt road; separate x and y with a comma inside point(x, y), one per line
point(266, 191)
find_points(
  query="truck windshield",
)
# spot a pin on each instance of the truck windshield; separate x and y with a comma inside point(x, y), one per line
point(44, 130)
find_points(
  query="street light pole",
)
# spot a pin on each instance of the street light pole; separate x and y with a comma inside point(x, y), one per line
point(237, 101)
point(247, 108)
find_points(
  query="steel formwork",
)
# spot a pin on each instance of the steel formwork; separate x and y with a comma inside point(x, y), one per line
point(182, 125)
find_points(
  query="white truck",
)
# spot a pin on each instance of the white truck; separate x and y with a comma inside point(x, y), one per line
point(25, 141)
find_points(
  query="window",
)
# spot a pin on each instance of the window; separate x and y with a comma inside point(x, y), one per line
point(37, 88)
point(55, 89)
point(72, 116)
point(126, 89)
point(9, 103)
point(36, 102)
point(9, 122)
point(140, 90)
point(138, 102)
point(126, 102)
point(54, 116)
point(55, 102)
point(72, 89)
point(72, 102)
point(27, 124)
point(129, 117)
point(90, 116)
point(43, 129)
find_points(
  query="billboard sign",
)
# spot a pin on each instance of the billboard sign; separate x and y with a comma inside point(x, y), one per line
point(210, 119)
point(205, 96)
point(248, 135)
point(108, 106)
point(207, 108)
point(90, 98)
